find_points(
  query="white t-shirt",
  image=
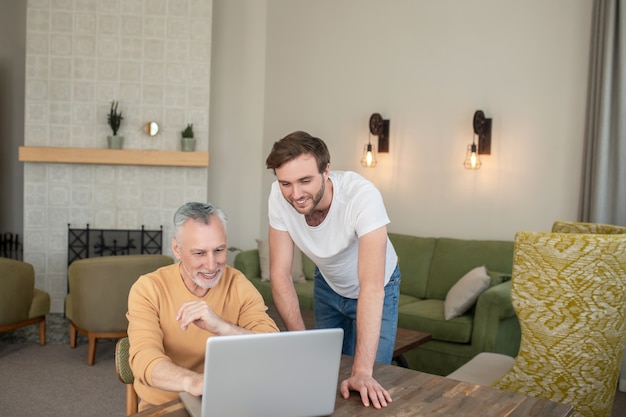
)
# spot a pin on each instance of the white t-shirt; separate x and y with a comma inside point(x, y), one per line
point(357, 208)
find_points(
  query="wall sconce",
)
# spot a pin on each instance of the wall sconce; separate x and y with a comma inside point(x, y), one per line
point(482, 129)
point(378, 127)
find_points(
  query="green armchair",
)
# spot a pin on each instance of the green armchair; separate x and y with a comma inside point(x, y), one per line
point(21, 304)
point(98, 295)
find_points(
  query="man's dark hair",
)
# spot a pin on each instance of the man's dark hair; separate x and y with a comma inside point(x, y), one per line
point(295, 144)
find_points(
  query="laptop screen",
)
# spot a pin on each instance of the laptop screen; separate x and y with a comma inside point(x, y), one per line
point(286, 374)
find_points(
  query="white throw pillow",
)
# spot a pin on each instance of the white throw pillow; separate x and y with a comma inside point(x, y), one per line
point(465, 292)
point(297, 270)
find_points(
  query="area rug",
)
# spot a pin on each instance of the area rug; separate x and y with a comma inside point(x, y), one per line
point(57, 331)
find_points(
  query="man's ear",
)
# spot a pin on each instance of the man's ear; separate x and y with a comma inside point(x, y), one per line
point(175, 248)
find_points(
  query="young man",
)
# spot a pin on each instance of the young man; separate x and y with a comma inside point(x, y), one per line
point(338, 219)
point(173, 310)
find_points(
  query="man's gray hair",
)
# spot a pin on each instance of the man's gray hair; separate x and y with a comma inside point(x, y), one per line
point(198, 212)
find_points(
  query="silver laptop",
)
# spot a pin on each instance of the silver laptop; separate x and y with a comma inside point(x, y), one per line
point(286, 374)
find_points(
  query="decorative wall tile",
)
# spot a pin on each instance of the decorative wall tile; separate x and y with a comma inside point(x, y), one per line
point(155, 27)
point(81, 216)
point(177, 28)
point(86, 5)
point(128, 219)
point(199, 97)
point(131, 48)
point(176, 73)
point(178, 7)
point(60, 90)
point(36, 89)
point(82, 136)
point(61, 4)
point(105, 93)
point(83, 91)
point(81, 196)
point(58, 218)
point(109, 47)
point(36, 112)
point(39, 20)
point(108, 70)
point(59, 196)
point(156, 7)
point(133, 7)
point(58, 174)
point(199, 30)
point(37, 197)
point(60, 68)
point(36, 135)
point(61, 22)
point(176, 50)
point(83, 69)
point(85, 24)
point(175, 116)
point(175, 96)
point(130, 93)
point(59, 113)
point(108, 24)
point(34, 217)
point(59, 135)
point(61, 45)
point(36, 67)
point(152, 95)
point(154, 49)
point(153, 72)
point(130, 71)
point(201, 51)
point(39, 4)
point(37, 43)
point(200, 8)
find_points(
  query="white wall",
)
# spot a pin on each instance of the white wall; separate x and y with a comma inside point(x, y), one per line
point(427, 66)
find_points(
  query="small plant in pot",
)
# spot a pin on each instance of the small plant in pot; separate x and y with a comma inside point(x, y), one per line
point(188, 142)
point(114, 118)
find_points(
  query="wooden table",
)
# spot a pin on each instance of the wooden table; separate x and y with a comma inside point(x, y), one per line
point(419, 394)
point(406, 339)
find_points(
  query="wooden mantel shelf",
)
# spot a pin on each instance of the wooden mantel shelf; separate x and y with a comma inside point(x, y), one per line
point(112, 156)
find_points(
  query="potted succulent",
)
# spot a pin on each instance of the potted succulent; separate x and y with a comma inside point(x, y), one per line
point(187, 141)
point(114, 118)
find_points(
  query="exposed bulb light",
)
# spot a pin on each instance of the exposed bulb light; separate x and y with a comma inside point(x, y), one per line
point(472, 161)
point(369, 156)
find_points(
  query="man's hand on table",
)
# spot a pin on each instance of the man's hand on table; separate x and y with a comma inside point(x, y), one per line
point(370, 390)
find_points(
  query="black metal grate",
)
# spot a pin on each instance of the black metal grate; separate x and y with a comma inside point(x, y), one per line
point(89, 243)
point(11, 247)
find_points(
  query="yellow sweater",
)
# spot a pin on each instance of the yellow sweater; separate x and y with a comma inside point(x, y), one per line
point(155, 335)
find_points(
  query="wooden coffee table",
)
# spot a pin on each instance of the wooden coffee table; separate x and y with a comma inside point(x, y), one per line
point(406, 339)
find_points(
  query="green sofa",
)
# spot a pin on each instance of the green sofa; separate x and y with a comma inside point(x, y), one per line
point(429, 268)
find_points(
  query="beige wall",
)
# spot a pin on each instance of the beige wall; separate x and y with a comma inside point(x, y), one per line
point(325, 66)
point(428, 66)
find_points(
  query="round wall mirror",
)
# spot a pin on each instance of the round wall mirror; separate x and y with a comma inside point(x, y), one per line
point(151, 128)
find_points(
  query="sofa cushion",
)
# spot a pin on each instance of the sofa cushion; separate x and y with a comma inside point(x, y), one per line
point(454, 257)
point(414, 257)
point(406, 299)
point(498, 277)
point(465, 292)
point(427, 316)
point(297, 271)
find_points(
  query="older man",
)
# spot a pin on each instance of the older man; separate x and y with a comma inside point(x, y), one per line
point(173, 310)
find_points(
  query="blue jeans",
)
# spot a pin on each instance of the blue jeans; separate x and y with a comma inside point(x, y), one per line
point(332, 310)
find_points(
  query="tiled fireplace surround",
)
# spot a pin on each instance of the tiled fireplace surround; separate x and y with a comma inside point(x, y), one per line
point(151, 55)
